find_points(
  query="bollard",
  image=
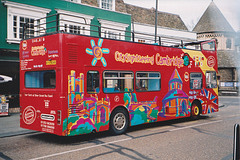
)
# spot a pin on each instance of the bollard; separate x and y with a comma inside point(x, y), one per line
point(236, 143)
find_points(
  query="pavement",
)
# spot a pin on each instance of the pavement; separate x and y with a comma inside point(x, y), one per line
point(10, 126)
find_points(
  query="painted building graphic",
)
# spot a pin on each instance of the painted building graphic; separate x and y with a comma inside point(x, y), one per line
point(176, 102)
point(85, 114)
point(140, 112)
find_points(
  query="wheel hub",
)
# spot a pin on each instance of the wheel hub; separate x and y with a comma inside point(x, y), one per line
point(196, 110)
point(119, 121)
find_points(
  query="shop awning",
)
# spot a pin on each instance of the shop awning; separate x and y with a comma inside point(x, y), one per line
point(4, 79)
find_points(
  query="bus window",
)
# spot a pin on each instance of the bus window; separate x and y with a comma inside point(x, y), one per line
point(93, 82)
point(211, 79)
point(40, 79)
point(148, 81)
point(195, 80)
point(208, 46)
point(117, 81)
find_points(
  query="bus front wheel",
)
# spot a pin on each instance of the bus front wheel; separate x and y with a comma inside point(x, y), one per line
point(119, 121)
point(195, 112)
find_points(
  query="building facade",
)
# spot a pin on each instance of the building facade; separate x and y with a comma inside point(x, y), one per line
point(213, 25)
point(143, 22)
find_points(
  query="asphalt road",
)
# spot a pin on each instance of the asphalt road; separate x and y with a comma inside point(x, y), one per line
point(210, 137)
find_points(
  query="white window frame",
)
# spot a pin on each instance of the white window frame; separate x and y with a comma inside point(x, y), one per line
point(21, 10)
point(147, 79)
point(74, 1)
point(113, 5)
point(75, 19)
point(110, 27)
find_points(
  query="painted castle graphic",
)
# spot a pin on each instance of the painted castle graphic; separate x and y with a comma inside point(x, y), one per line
point(85, 114)
point(176, 101)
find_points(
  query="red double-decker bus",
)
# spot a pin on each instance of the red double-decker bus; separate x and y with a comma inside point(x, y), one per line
point(75, 84)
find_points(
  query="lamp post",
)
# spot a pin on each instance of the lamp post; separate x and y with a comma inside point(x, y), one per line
point(156, 14)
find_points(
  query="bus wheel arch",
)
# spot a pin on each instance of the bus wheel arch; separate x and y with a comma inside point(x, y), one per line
point(119, 120)
point(196, 109)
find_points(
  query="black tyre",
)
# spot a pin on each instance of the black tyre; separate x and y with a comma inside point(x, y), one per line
point(195, 111)
point(119, 121)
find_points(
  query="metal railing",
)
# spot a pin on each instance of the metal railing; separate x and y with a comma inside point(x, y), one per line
point(56, 23)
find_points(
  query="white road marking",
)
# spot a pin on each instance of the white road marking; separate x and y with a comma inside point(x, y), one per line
point(235, 115)
point(80, 149)
point(197, 125)
point(121, 140)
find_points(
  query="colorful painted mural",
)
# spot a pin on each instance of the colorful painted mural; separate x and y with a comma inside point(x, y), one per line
point(140, 112)
point(85, 114)
point(176, 102)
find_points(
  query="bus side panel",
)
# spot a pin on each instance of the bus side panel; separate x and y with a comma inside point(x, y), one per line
point(85, 113)
point(172, 101)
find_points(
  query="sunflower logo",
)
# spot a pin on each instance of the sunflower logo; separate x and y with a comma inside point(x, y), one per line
point(97, 52)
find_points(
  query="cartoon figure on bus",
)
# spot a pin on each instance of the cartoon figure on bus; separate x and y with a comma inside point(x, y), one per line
point(176, 101)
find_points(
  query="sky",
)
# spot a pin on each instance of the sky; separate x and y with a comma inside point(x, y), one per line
point(191, 10)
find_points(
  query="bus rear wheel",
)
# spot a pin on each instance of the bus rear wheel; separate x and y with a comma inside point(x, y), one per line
point(195, 111)
point(119, 121)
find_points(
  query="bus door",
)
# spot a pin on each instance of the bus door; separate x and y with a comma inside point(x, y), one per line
point(93, 78)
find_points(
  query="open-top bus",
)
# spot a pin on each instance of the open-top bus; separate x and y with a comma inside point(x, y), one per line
point(74, 84)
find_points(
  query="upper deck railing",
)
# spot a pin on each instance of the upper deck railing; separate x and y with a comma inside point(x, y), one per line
point(57, 23)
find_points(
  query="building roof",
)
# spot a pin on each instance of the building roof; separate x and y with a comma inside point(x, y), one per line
point(213, 20)
point(147, 16)
point(175, 76)
point(174, 94)
point(228, 59)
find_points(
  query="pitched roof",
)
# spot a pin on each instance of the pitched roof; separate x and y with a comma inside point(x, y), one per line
point(213, 21)
point(228, 59)
point(175, 75)
point(147, 16)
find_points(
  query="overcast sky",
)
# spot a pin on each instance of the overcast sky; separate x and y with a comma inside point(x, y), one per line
point(191, 10)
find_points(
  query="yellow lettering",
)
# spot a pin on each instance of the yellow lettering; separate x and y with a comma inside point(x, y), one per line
point(38, 51)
